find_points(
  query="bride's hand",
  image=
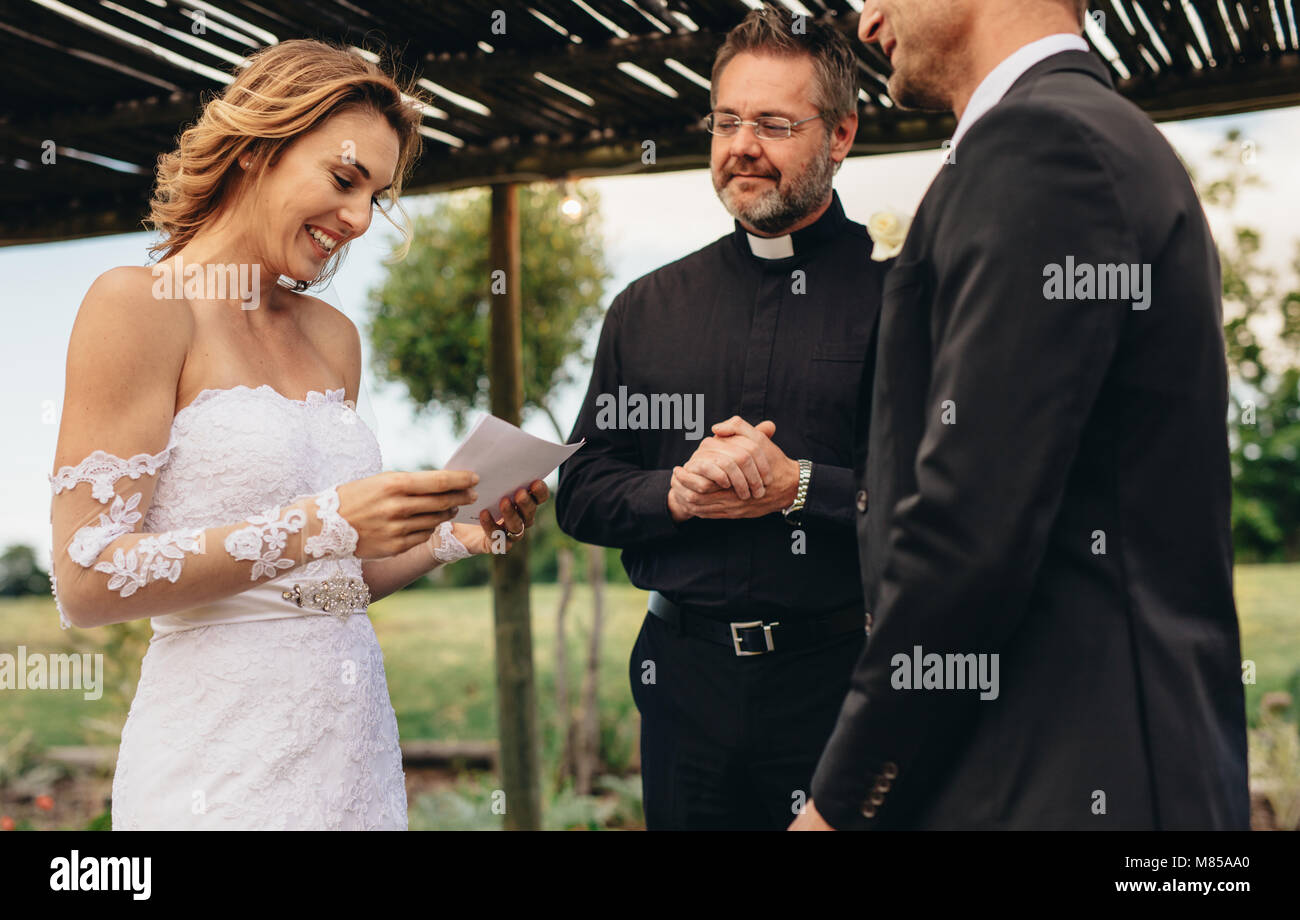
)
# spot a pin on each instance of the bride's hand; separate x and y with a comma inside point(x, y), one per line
point(396, 511)
point(516, 518)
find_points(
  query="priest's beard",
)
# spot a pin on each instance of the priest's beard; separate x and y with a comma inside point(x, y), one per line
point(786, 202)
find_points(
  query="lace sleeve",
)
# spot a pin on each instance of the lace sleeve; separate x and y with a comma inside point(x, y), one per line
point(448, 548)
point(105, 560)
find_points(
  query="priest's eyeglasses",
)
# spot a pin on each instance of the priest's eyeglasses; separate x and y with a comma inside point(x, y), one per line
point(767, 127)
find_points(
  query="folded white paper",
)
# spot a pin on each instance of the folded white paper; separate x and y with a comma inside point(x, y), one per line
point(506, 459)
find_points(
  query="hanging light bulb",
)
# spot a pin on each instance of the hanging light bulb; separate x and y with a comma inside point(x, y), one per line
point(571, 208)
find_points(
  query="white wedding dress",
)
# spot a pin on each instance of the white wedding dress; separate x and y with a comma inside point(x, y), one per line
point(252, 712)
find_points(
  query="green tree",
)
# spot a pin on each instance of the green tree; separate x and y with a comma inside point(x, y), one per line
point(430, 322)
point(20, 574)
point(1262, 337)
point(429, 331)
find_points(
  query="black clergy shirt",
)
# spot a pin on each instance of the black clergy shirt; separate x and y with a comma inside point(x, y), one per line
point(763, 338)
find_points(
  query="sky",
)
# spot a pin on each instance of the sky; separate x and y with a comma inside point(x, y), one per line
point(649, 220)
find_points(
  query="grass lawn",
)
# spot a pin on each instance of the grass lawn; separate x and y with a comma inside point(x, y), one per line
point(1268, 606)
point(438, 650)
point(438, 653)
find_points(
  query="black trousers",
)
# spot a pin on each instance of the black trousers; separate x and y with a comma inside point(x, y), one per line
point(728, 742)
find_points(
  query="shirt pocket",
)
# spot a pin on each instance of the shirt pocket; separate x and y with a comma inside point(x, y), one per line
point(832, 407)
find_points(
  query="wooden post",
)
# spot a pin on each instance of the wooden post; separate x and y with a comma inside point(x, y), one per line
point(516, 689)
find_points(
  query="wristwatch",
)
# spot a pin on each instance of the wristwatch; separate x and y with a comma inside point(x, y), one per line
point(794, 514)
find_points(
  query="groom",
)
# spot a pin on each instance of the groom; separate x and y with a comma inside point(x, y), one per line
point(1047, 552)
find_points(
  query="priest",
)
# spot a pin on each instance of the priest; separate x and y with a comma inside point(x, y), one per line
point(745, 537)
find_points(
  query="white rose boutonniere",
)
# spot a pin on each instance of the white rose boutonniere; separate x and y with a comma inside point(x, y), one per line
point(888, 230)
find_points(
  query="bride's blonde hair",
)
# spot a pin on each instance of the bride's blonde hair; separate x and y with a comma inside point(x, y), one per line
point(285, 91)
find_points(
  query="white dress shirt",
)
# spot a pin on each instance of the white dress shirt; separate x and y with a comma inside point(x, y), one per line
point(1001, 78)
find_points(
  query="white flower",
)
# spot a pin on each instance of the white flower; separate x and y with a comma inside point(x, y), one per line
point(888, 229)
point(89, 542)
point(245, 543)
point(161, 567)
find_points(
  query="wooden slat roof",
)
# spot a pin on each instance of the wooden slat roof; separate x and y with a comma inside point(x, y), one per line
point(111, 82)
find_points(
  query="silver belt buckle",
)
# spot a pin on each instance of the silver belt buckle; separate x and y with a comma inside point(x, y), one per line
point(767, 634)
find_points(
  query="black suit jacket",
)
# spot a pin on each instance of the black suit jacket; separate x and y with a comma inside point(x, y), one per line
point(1048, 482)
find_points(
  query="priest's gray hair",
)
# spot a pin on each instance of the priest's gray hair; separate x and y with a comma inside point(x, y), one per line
point(772, 30)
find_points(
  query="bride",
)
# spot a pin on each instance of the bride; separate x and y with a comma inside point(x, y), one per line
point(212, 475)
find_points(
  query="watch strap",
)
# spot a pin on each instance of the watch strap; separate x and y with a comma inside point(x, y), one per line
point(793, 514)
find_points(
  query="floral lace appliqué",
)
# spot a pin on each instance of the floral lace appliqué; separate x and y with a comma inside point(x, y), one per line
point(157, 556)
point(263, 541)
point(102, 469)
point(449, 548)
point(93, 539)
point(337, 538)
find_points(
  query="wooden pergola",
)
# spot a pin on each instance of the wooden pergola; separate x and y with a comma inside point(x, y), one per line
point(540, 89)
point(533, 90)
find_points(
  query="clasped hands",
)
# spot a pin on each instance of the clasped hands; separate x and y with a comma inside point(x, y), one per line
point(738, 472)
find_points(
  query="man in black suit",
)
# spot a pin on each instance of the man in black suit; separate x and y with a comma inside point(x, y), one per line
point(1047, 465)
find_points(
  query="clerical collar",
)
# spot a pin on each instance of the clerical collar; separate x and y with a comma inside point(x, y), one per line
point(771, 248)
point(775, 247)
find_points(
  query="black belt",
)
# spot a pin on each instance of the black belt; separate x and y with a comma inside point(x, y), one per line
point(755, 637)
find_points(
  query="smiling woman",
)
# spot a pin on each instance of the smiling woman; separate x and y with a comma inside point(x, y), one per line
point(212, 475)
point(285, 99)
